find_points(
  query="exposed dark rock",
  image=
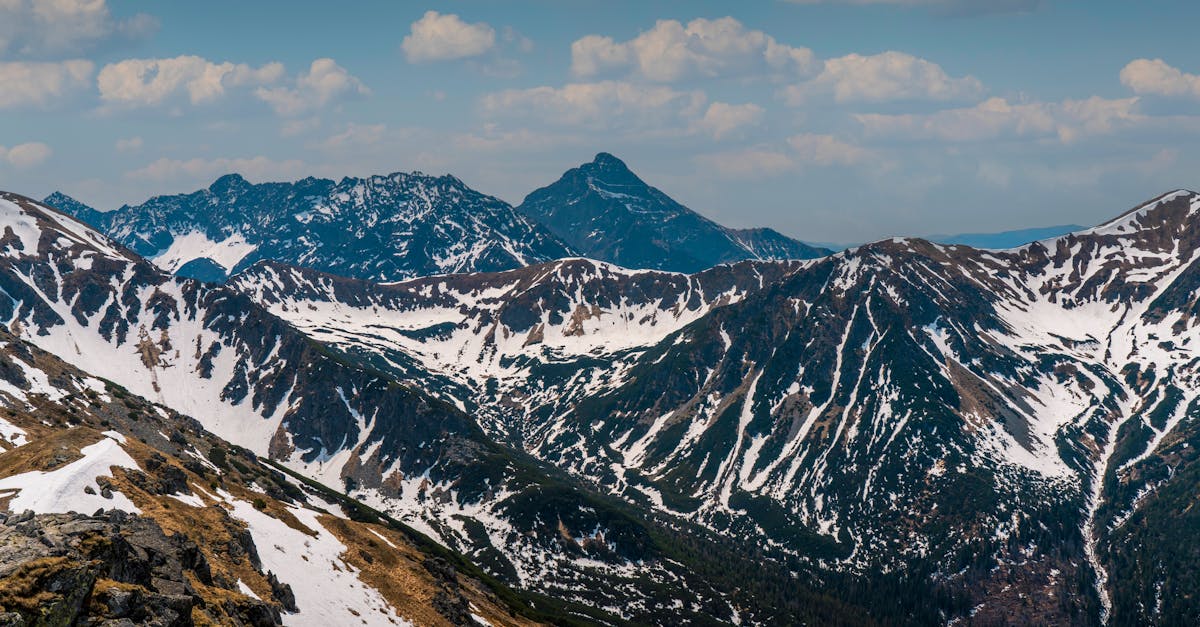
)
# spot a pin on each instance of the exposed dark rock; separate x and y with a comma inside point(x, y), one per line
point(282, 593)
point(102, 570)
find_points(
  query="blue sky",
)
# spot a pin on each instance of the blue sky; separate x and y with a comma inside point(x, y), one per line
point(830, 120)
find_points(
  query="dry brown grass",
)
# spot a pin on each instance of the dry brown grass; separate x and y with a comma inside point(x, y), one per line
point(25, 590)
point(396, 570)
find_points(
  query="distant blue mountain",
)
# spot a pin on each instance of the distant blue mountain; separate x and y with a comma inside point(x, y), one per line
point(1005, 239)
point(996, 241)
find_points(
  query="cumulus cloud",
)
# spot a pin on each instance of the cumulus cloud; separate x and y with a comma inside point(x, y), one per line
point(826, 150)
point(604, 105)
point(24, 83)
point(996, 117)
point(190, 79)
point(444, 37)
point(1156, 78)
point(748, 163)
point(806, 150)
point(672, 51)
point(325, 82)
point(148, 82)
point(721, 119)
point(40, 28)
point(355, 136)
point(205, 170)
point(26, 155)
point(883, 77)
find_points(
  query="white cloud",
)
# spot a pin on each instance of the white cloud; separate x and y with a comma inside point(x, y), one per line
point(149, 82)
point(40, 28)
point(705, 48)
point(826, 150)
point(41, 84)
point(748, 163)
point(198, 81)
point(883, 77)
point(760, 162)
point(721, 119)
point(129, 144)
point(996, 117)
point(325, 82)
point(26, 155)
point(199, 171)
point(443, 37)
point(1155, 77)
point(355, 136)
point(605, 105)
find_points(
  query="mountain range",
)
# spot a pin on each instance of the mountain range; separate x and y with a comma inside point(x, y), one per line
point(903, 432)
point(400, 226)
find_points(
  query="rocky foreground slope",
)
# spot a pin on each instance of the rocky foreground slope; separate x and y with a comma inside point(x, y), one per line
point(118, 509)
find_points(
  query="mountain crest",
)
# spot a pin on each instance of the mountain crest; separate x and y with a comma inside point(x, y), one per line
point(383, 227)
point(70, 206)
point(606, 212)
point(1172, 209)
point(229, 183)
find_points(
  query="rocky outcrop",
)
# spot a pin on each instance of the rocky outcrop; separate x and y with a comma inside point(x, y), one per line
point(111, 569)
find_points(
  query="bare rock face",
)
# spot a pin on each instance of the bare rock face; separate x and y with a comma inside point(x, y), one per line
point(106, 569)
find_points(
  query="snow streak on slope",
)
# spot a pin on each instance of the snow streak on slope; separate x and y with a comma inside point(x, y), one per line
point(851, 391)
point(250, 377)
point(196, 245)
point(496, 329)
point(73, 487)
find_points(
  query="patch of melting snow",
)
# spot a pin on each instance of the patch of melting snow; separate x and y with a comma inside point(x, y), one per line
point(12, 433)
point(196, 245)
point(62, 490)
point(328, 590)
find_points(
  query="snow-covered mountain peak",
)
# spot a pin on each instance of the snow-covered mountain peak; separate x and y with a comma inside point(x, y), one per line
point(384, 227)
point(1171, 210)
point(32, 229)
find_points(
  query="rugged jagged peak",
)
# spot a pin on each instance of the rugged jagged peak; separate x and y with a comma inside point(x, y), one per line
point(603, 210)
point(383, 227)
point(34, 230)
point(73, 207)
point(609, 171)
point(229, 184)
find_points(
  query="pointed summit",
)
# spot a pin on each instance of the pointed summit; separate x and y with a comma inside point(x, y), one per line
point(606, 161)
point(609, 170)
point(228, 183)
point(607, 212)
point(72, 207)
